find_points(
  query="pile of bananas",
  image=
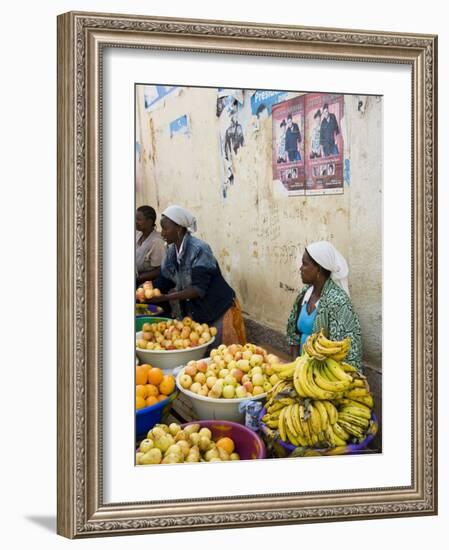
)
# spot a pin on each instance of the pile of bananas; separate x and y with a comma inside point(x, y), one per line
point(320, 401)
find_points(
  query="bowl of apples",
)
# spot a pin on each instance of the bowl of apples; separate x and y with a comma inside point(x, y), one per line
point(229, 376)
point(171, 343)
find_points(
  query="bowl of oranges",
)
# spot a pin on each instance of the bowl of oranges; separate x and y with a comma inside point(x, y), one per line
point(155, 392)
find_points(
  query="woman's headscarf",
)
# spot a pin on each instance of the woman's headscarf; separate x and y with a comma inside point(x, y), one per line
point(181, 216)
point(326, 255)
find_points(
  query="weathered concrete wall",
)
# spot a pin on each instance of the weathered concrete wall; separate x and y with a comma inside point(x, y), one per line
point(258, 234)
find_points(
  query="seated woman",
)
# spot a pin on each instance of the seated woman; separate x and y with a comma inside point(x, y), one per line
point(324, 302)
point(191, 275)
point(150, 247)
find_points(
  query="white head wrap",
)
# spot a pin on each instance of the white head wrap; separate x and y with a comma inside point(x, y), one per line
point(326, 255)
point(181, 216)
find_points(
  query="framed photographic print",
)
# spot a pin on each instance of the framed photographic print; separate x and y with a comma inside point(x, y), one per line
point(207, 171)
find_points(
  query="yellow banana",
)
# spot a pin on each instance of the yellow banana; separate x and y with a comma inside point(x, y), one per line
point(348, 368)
point(333, 438)
point(354, 420)
point(338, 430)
point(356, 392)
point(326, 384)
point(351, 429)
point(315, 390)
point(310, 348)
point(314, 420)
point(322, 411)
point(289, 419)
point(281, 426)
point(357, 411)
point(366, 400)
point(346, 402)
point(332, 412)
point(334, 367)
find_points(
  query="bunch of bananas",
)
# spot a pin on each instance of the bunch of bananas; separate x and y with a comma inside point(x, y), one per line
point(320, 402)
point(320, 347)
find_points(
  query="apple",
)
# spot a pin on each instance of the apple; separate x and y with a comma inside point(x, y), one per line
point(247, 354)
point(201, 366)
point(274, 379)
point(238, 355)
point(200, 377)
point(194, 337)
point(213, 331)
point(233, 349)
point(223, 373)
point(186, 381)
point(266, 386)
point(273, 359)
point(256, 360)
point(243, 365)
point(210, 381)
point(229, 380)
point(222, 348)
point(237, 374)
point(256, 370)
point(195, 387)
point(257, 390)
point(191, 370)
point(228, 358)
point(240, 391)
point(248, 387)
point(204, 390)
point(217, 388)
point(232, 364)
point(245, 378)
point(213, 353)
point(206, 336)
point(201, 341)
point(228, 391)
point(148, 293)
point(147, 284)
point(258, 379)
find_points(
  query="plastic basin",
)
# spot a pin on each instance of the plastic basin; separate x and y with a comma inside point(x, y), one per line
point(167, 360)
point(147, 417)
point(248, 444)
point(208, 408)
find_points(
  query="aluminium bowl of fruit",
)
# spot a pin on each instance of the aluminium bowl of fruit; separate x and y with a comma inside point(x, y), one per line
point(167, 360)
point(210, 408)
point(147, 417)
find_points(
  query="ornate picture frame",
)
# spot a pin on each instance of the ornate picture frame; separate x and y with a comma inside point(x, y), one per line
point(82, 38)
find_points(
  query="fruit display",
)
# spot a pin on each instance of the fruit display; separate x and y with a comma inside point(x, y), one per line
point(320, 401)
point(173, 444)
point(230, 372)
point(146, 292)
point(175, 335)
point(152, 386)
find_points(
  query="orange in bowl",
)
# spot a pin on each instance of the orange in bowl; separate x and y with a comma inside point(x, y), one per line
point(167, 384)
point(151, 390)
point(155, 376)
point(141, 375)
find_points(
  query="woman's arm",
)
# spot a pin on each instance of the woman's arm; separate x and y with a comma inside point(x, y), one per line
point(148, 275)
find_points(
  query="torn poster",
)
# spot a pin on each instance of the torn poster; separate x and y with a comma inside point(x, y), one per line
point(324, 143)
point(288, 145)
point(180, 126)
point(154, 94)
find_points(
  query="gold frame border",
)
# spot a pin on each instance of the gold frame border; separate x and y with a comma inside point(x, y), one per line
point(81, 37)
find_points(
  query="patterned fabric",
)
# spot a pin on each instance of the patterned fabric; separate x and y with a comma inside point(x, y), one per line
point(336, 316)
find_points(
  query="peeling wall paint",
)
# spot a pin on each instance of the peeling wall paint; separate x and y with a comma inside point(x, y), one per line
point(257, 233)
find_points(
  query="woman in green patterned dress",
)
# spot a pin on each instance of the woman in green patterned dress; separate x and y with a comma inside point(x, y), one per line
point(324, 302)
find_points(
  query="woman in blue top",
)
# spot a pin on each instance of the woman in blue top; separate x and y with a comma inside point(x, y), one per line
point(324, 302)
point(190, 275)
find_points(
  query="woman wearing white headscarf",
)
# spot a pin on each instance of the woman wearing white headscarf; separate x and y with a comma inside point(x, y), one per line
point(190, 274)
point(324, 302)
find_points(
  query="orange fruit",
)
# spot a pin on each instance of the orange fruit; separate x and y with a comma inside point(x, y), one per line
point(227, 444)
point(151, 390)
point(141, 391)
point(161, 397)
point(167, 385)
point(140, 402)
point(141, 375)
point(155, 376)
point(151, 400)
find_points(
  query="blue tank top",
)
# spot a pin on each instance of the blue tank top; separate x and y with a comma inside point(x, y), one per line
point(305, 323)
